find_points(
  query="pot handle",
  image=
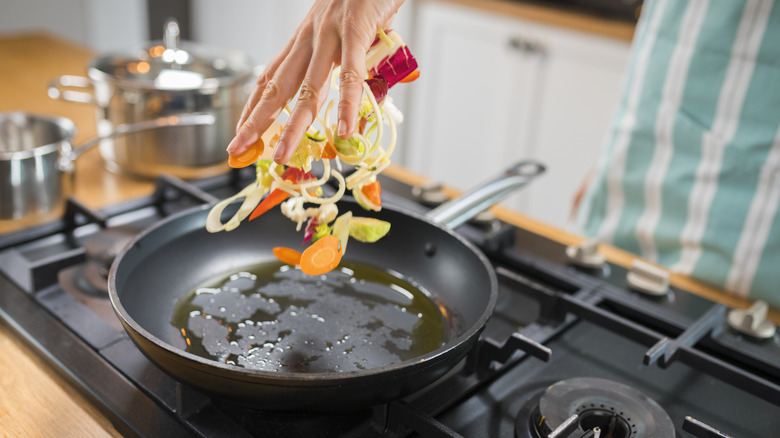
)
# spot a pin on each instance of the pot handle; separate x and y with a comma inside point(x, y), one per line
point(189, 119)
point(459, 210)
point(57, 89)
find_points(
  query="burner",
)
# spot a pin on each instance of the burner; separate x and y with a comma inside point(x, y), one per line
point(100, 250)
point(603, 408)
point(88, 281)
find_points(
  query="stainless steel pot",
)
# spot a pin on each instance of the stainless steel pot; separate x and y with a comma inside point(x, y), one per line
point(165, 78)
point(37, 157)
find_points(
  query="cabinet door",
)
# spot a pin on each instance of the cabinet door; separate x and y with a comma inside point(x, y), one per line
point(258, 28)
point(494, 90)
point(471, 111)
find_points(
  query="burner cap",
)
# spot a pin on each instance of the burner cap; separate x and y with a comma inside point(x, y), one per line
point(618, 410)
point(101, 248)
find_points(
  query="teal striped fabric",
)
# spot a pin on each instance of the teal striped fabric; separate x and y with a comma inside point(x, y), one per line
point(690, 175)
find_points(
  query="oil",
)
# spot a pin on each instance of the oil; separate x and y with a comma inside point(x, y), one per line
point(273, 317)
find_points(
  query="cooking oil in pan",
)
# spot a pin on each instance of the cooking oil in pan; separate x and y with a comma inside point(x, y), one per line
point(274, 317)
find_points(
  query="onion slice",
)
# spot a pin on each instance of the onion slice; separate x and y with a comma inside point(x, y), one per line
point(252, 195)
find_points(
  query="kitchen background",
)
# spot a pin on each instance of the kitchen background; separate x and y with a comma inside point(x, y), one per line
point(500, 80)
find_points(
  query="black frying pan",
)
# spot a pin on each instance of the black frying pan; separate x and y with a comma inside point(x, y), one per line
point(168, 260)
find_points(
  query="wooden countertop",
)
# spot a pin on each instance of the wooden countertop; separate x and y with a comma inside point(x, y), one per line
point(553, 16)
point(34, 399)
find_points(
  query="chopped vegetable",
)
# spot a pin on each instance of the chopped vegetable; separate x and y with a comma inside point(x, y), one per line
point(287, 255)
point(263, 173)
point(252, 194)
point(329, 152)
point(373, 193)
point(315, 230)
point(378, 86)
point(321, 231)
point(278, 195)
point(316, 136)
point(311, 228)
point(321, 257)
point(349, 147)
point(272, 200)
point(368, 229)
point(250, 156)
point(391, 62)
point(341, 229)
point(368, 199)
point(299, 193)
point(411, 77)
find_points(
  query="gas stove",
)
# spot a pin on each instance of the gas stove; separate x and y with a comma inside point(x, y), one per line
point(576, 347)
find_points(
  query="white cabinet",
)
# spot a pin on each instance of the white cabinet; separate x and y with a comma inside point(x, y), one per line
point(258, 28)
point(101, 25)
point(494, 90)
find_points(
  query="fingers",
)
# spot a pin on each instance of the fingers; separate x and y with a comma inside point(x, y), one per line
point(313, 92)
point(265, 76)
point(353, 73)
point(278, 90)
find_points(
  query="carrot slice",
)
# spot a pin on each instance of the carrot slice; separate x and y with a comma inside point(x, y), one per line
point(250, 156)
point(373, 193)
point(287, 255)
point(411, 77)
point(329, 152)
point(272, 200)
point(322, 256)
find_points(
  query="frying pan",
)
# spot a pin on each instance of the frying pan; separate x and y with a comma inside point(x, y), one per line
point(170, 259)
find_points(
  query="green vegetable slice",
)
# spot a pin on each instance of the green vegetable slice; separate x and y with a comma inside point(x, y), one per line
point(368, 229)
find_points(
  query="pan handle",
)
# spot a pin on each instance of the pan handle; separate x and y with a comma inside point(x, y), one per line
point(59, 89)
point(188, 119)
point(459, 210)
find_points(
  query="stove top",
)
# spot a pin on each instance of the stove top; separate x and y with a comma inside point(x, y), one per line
point(572, 350)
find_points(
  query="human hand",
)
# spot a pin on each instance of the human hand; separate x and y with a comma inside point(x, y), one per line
point(334, 32)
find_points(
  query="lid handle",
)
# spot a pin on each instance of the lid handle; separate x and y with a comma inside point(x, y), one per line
point(171, 34)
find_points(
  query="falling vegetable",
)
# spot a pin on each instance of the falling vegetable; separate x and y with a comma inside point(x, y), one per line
point(249, 157)
point(368, 229)
point(278, 195)
point(272, 200)
point(373, 193)
point(321, 257)
point(287, 255)
point(300, 195)
point(411, 77)
point(393, 62)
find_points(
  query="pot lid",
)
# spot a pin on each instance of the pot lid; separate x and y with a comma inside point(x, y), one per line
point(173, 65)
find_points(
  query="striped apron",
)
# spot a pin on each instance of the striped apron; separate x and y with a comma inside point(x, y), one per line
point(690, 174)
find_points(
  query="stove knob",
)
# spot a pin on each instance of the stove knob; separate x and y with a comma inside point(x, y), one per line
point(586, 254)
point(753, 321)
point(431, 194)
point(648, 279)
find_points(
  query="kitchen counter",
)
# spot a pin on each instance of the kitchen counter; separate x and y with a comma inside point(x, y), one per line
point(559, 17)
point(35, 400)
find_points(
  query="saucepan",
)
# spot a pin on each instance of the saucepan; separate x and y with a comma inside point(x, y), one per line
point(37, 158)
point(160, 79)
point(316, 350)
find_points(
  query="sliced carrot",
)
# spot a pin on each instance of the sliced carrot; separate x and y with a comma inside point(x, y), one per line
point(322, 256)
point(287, 255)
point(373, 193)
point(329, 152)
point(278, 195)
point(411, 77)
point(272, 200)
point(250, 156)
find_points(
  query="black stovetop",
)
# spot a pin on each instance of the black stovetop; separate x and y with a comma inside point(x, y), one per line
point(557, 331)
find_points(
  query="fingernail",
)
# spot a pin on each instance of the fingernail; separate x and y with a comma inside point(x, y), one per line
point(342, 129)
point(241, 142)
point(232, 145)
point(279, 152)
